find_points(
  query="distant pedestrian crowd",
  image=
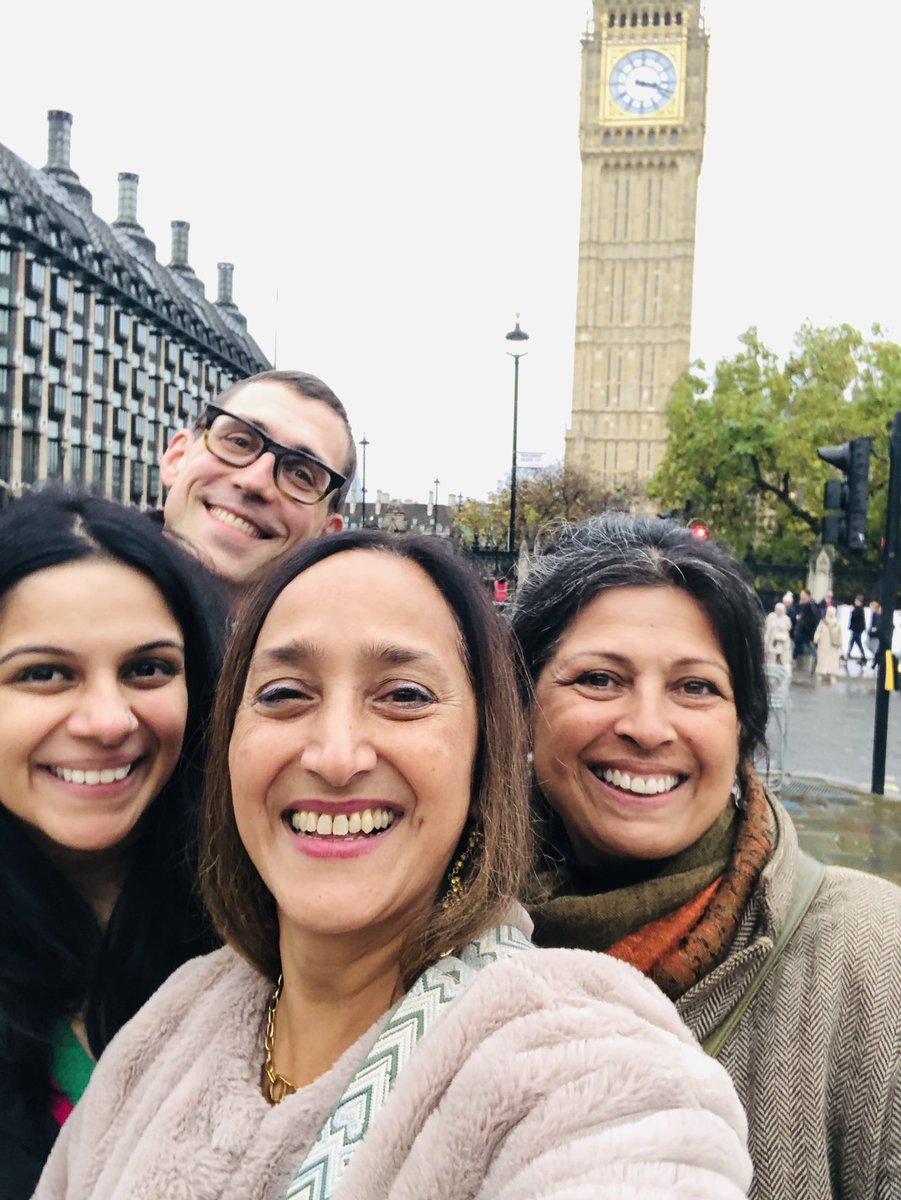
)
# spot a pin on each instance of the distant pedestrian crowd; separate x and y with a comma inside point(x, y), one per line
point(812, 632)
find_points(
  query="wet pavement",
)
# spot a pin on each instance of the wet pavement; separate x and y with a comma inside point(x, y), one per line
point(821, 737)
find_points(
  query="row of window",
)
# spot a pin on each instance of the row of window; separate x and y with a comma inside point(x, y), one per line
point(101, 265)
point(109, 323)
point(631, 136)
point(656, 17)
point(145, 480)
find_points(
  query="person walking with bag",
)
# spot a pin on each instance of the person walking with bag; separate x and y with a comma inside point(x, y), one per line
point(828, 641)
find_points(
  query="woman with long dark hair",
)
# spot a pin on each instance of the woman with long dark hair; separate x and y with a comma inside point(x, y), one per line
point(110, 643)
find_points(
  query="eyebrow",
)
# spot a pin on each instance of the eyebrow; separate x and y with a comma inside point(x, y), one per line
point(268, 432)
point(678, 662)
point(61, 652)
point(296, 653)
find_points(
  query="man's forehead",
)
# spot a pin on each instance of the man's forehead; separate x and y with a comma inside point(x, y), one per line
point(287, 416)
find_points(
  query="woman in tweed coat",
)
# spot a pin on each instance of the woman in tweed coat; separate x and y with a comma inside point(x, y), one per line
point(662, 848)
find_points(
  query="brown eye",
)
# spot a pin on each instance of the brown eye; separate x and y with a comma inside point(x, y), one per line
point(408, 695)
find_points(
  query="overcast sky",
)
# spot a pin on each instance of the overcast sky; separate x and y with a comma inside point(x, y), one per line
point(404, 177)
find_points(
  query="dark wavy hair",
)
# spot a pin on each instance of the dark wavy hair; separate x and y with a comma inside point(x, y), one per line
point(616, 551)
point(55, 960)
point(242, 906)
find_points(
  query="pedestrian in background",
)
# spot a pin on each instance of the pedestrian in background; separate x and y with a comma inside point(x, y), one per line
point(805, 626)
point(828, 641)
point(777, 637)
point(857, 624)
point(790, 611)
point(873, 631)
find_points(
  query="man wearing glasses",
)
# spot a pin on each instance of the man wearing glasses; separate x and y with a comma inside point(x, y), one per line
point(264, 468)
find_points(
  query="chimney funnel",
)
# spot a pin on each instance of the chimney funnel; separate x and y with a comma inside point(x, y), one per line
point(180, 265)
point(180, 231)
point(225, 299)
point(226, 275)
point(59, 141)
point(127, 220)
point(128, 199)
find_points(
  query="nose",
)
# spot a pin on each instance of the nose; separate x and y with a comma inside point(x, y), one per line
point(103, 713)
point(644, 718)
point(257, 479)
point(337, 748)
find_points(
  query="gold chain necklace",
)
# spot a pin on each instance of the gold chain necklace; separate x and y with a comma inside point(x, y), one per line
point(275, 1087)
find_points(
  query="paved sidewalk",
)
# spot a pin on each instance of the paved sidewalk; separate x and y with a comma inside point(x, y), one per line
point(845, 826)
point(821, 749)
point(829, 731)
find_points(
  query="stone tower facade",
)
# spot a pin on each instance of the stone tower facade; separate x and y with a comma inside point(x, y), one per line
point(644, 91)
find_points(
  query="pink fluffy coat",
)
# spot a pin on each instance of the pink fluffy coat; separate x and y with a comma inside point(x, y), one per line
point(558, 1075)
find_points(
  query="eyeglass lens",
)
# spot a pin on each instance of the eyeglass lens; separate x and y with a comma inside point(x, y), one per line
point(239, 445)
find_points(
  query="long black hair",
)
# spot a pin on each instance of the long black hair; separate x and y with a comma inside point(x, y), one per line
point(55, 959)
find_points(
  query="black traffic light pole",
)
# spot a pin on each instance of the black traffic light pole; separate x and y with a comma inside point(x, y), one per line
point(891, 576)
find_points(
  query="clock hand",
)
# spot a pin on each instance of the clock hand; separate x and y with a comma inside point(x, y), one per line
point(664, 91)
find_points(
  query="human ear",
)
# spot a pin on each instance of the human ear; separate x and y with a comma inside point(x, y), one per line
point(171, 462)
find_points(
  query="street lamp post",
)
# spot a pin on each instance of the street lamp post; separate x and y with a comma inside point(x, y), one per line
point(515, 337)
point(364, 444)
point(435, 510)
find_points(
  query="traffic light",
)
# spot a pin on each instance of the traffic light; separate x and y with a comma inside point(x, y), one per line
point(700, 531)
point(846, 500)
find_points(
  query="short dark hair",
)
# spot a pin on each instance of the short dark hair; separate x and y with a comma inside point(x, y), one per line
point(242, 907)
point(616, 551)
point(308, 387)
point(56, 960)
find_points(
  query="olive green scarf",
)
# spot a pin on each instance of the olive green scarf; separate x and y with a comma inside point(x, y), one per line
point(592, 908)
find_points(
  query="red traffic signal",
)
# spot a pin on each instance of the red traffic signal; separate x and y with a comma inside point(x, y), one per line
point(700, 531)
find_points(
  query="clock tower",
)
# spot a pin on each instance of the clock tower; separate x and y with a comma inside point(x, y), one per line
point(644, 91)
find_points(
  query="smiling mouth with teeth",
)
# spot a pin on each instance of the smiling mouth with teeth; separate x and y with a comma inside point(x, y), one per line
point(92, 777)
point(366, 822)
point(638, 785)
point(236, 522)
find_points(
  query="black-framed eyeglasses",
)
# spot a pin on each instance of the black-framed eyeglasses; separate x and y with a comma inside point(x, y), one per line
point(238, 443)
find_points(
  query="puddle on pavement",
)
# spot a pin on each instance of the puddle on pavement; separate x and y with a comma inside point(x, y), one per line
point(843, 828)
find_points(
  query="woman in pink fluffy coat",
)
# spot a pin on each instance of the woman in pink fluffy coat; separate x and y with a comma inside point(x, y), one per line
point(378, 1023)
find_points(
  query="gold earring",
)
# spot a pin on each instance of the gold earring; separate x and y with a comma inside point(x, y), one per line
point(454, 890)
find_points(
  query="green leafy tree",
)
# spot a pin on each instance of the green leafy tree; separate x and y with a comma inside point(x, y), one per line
point(743, 447)
point(543, 499)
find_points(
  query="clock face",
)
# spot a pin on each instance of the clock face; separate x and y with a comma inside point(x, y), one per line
point(643, 81)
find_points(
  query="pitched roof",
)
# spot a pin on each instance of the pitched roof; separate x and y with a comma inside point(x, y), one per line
point(43, 211)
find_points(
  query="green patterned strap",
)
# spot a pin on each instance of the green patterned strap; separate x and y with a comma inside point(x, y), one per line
point(808, 878)
point(71, 1065)
point(415, 1014)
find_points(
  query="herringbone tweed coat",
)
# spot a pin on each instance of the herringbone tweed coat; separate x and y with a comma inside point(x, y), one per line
point(817, 1058)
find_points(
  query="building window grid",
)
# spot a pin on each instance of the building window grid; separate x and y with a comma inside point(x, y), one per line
point(86, 314)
